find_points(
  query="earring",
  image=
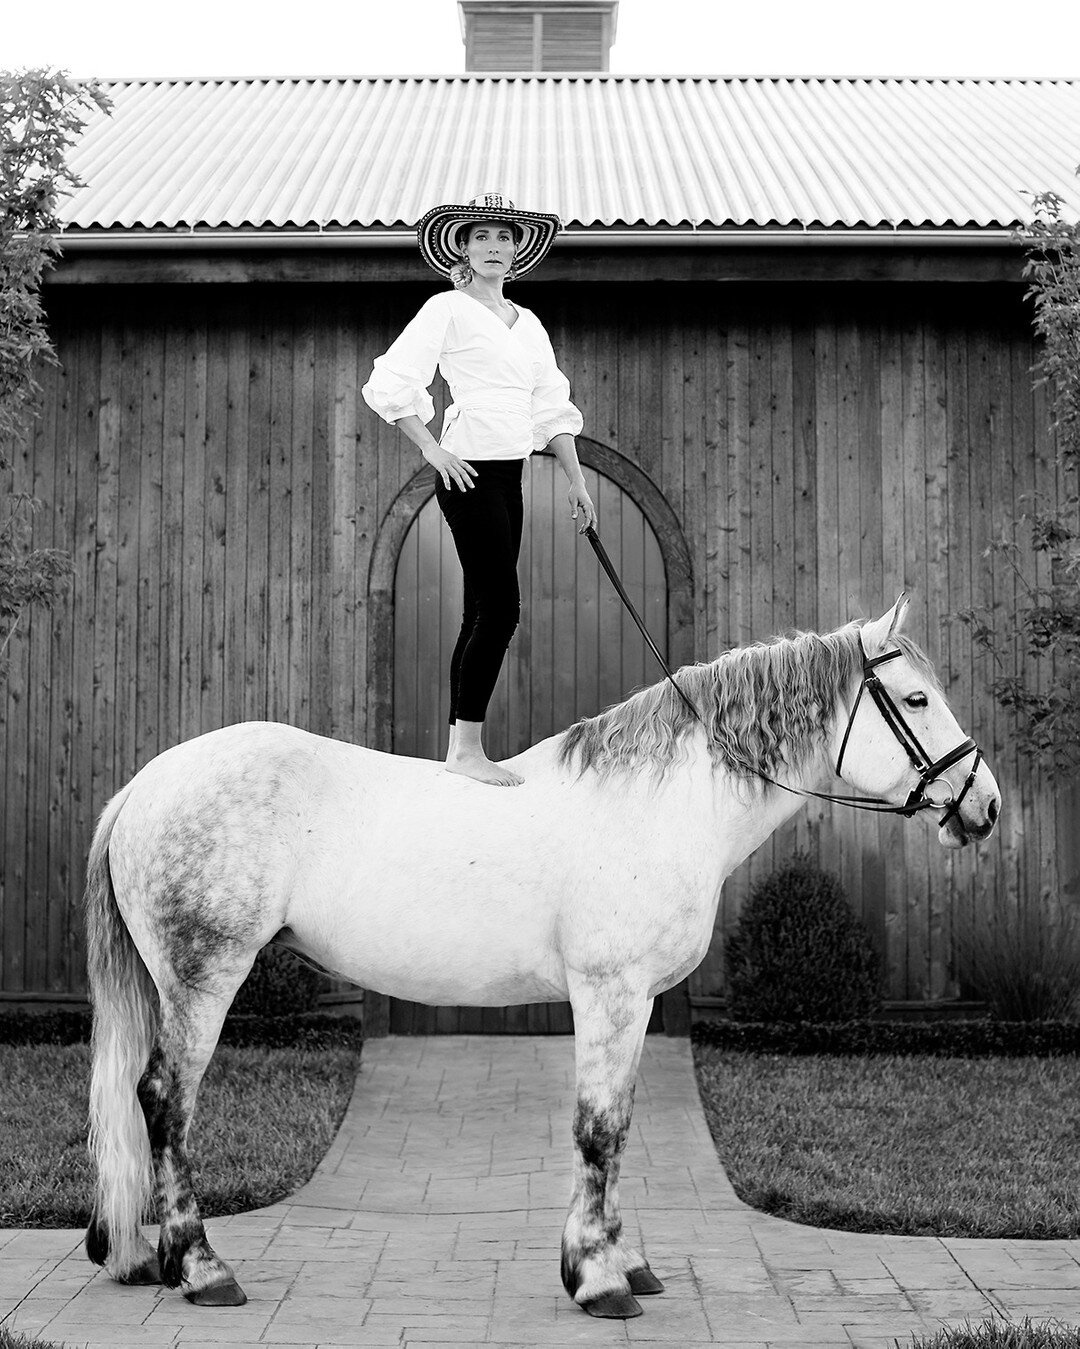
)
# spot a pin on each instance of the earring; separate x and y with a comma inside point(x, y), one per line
point(461, 273)
point(511, 271)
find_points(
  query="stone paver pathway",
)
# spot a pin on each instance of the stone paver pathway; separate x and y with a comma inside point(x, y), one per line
point(435, 1220)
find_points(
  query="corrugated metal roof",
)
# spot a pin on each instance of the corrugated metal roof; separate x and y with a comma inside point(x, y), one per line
point(600, 150)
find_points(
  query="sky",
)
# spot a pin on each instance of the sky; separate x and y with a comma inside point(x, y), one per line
point(394, 37)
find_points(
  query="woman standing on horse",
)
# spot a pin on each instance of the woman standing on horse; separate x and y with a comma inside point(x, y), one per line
point(510, 398)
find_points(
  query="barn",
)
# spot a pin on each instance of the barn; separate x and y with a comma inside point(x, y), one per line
point(791, 311)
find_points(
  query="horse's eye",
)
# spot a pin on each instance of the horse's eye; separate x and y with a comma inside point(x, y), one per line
point(916, 700)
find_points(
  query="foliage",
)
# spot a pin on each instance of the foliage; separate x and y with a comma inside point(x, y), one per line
point(965, 1039)
point(887, 1144)
point(1053, 272)
point(1023, 961)
point(279, 985)
point(1044, 646)
point(994, 1334)
point(799, 953)
point(264, 1121)
point(28, 576)
point(41, 114)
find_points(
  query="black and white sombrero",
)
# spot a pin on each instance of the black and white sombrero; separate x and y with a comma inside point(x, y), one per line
point(437, 231)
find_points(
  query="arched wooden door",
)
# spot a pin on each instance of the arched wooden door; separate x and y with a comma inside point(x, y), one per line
point(575, 652)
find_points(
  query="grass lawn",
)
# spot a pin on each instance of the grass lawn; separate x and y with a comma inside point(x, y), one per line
point(264, 1120)
point(908, 1145)
point(1001, 1335)
point(12, 1339)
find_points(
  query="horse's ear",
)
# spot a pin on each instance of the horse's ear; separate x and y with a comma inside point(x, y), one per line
point(876, 633)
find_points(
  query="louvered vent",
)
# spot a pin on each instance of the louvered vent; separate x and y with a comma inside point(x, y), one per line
point(573, 42)
point(537, 34)
point(501, 41)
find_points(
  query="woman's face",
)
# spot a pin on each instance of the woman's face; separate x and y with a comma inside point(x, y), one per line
point(490, 247)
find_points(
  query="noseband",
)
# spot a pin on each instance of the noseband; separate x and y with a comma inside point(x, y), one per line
point(929, 770)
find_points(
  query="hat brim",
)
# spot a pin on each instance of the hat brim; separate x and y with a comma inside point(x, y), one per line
point(437, 234)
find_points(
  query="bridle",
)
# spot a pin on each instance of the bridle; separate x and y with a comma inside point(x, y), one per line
point(929, 770)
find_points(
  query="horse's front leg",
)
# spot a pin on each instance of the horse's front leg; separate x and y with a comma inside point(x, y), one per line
point(599, 1270)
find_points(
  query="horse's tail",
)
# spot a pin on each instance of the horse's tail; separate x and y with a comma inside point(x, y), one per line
point(125, 1021)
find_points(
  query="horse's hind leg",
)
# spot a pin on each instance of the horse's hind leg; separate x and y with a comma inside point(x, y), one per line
point(190, 1024)
point(599, 1270)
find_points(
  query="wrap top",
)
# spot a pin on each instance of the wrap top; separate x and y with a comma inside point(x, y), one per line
point(510, 397)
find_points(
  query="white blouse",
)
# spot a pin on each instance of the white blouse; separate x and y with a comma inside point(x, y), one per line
point(510, 397)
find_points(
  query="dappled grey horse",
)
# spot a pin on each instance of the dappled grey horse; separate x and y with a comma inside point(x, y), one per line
point(597, 880)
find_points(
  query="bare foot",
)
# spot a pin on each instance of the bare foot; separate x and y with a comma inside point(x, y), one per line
point(479, 766)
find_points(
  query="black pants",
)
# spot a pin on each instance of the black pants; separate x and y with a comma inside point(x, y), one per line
point(485, 521)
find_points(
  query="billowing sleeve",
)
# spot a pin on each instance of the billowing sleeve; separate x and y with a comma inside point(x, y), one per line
point(399, 380)
point(552, 410)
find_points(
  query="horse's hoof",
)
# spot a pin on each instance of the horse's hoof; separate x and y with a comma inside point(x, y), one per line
point(614, 1306)
point(218, 1295)
point(643, 1281)
point(148, 1272)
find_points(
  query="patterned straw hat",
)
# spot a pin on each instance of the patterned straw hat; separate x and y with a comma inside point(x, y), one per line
point(437, 231)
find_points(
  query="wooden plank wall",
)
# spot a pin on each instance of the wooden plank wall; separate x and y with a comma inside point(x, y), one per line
point(208, 461)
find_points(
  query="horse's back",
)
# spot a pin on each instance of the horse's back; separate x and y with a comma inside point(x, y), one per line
point(270, 742)
point(265, 762)
point(225, 815)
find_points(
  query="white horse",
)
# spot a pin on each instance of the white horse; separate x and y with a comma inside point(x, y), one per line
point(597, 881)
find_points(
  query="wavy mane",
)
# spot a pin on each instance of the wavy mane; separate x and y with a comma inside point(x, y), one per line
point(765, 706)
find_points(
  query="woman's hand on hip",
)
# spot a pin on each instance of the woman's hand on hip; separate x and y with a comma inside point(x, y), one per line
point(449, 467)
point(581, 504)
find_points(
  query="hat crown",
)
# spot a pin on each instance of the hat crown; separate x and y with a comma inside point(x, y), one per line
point(491, 201)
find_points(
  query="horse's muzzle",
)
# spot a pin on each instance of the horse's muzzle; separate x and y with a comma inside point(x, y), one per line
point(959, 828)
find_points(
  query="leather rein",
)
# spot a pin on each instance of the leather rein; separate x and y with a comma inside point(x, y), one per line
point(929, 770)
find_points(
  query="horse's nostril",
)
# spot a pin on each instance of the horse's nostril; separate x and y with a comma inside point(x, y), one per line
point(992, 811)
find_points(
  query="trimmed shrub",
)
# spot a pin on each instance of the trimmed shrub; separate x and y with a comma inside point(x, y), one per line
point(308, 1030)
point(56, 1027)
point(938, 1039)
point(280, 984)
point(798, 952)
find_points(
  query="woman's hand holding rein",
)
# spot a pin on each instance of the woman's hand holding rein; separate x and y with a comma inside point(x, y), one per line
point(448, 466)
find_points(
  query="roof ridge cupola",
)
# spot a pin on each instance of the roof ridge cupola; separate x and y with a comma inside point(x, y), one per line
point(507, 35)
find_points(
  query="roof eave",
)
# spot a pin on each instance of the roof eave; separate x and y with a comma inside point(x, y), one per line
point(110, 240)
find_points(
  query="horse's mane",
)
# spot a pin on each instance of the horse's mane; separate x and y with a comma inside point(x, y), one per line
point(764, 706)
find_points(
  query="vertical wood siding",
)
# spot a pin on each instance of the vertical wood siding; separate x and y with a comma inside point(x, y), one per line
point(206, 458)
